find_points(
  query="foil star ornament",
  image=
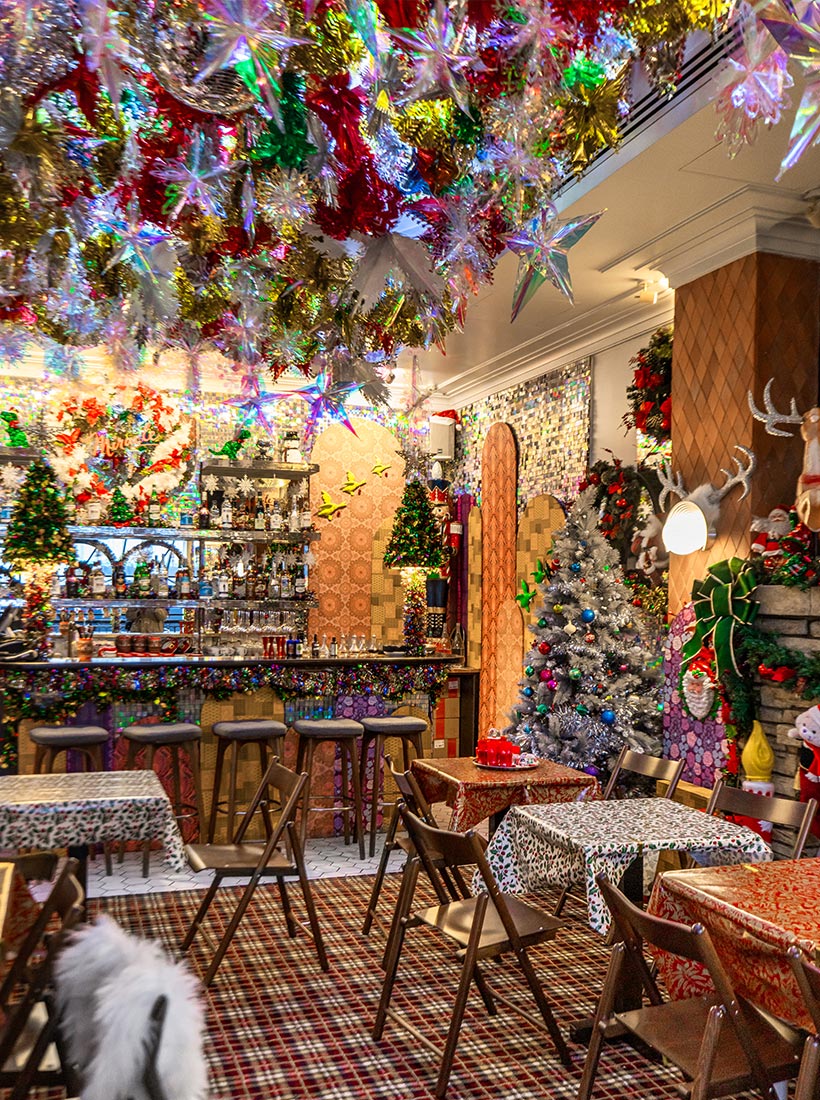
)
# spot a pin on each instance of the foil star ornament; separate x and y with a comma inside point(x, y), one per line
point(253, 400)
point(542, 245)
point(327, 398)
point(198, 180)
point(253, 37)
point(441, 58)
point(795, 26)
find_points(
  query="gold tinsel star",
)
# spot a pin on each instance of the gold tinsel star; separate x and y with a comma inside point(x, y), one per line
point(592, 119)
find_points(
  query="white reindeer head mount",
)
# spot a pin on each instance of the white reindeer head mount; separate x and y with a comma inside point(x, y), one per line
point(694, 518)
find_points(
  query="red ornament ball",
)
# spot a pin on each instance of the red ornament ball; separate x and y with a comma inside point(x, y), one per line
point(544, 647)
point(589, 638)
point(622, 502)
point(545, 674)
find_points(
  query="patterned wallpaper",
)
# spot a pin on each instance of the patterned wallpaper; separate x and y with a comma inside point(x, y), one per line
point(550, 417)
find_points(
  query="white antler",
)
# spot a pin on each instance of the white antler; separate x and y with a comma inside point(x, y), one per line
point(669, 484)
point(771, 416)
point(743, 473)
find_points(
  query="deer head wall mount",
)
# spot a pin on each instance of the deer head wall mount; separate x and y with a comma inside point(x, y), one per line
point(807, 503)
point(694, 518)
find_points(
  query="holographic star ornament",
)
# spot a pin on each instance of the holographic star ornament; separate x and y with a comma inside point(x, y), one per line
point(253, 400)
point(327, 398)
point(253, 37)
point(441, 58)
point(795, 26)
point(198, 180)
point(542, 246)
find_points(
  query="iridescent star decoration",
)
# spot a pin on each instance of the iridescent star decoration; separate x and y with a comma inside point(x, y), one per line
point(253, 400)
point(542, 245)
point(795, 25)
point(441, 59)
point(327, 398)
point(197, 180)
point(252, 36)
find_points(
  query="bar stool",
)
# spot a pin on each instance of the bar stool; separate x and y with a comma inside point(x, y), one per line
point(345, 733)
point(86, 740)
point(172, 736)
point(52, 740)
point(264, 732)
point(404, 727)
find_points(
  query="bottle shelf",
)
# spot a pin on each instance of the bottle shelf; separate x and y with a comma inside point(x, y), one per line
point(194, 534)
point(286, 471)
point(214, 603)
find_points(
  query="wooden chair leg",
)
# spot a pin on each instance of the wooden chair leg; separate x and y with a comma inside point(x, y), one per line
point(150, 752)
point(344, 763)
point(263, 764)
point(544, 1007)
point(39, 757)
point(307, 895)
point(707, 1053)
point(389, 845)
point(195, 763)
point(806, 1088)
point(395, 942)
point(220, 759)
point(233, 924)
point(305, 764)
point(378, 770)
point(95, 756)
point(51, 756)
point(465, 981)
point(357, 796)
point(603, 1014)
point(196, 923)
point(287, 908)
point(234, 780)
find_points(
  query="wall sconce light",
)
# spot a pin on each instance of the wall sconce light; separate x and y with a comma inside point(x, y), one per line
point(692, 522)
point(653, 289)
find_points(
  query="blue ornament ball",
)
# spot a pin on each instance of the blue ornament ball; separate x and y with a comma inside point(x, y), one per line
point(608, 716)
point(575, 567)
point(587, 615)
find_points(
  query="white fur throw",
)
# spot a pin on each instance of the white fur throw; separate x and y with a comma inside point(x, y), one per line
point(107, 984)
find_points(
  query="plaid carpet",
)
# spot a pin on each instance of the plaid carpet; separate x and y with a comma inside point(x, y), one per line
point(280, 1028)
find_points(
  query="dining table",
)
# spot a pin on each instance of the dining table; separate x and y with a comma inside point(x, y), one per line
point(76, 809)
point(753, 912)
point(570, 843)
point(476, 792)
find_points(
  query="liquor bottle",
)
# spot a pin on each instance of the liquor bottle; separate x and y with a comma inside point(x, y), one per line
point(187, 516)
point(154, 510)
point(274, 591)
point(374, 645)
point(226, 514)
point(260, 585)
point(183, 583)
point(143, 581)
point(300, 584)
point(97, 584)
point(223, 584)
point(294, 522)
point(305, 516)
point(206, 587)
point(314, 647)
point(215, 514)
point(240, 583)
point(333, 650)
point(276, 522)
point(204, 514)
point(56, 589)
point(162, 583)
point(323, 648)
point(259, 518)
point(300, 646)
point(72, 583)
point(286, 584)
point(119, 581)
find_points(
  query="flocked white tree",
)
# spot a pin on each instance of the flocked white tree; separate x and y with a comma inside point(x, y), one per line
point(590, 681)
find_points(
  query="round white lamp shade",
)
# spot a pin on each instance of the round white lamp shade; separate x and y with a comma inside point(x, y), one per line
point(685, 529)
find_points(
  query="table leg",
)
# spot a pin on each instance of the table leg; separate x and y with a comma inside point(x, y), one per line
point(630, 992)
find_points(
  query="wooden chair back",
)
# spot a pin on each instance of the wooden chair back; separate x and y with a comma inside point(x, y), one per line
point(289, 786)
point(807, 976)
point(761, 807)
point(411, 792)
point(640, 763)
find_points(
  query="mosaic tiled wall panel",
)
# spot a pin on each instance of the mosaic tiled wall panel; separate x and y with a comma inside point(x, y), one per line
point(474, 580)
point(702, 744)
point(342, 577)
point(542, 517)
point(550, 417)
point(509, 661)
point(735, 328)
point(386, 593)
point(498, 512)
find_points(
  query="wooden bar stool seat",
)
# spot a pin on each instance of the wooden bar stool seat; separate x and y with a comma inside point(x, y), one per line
point(404, 727)
point(172, 736)
point(345, 733)
point(264, 732)
point(52, 740)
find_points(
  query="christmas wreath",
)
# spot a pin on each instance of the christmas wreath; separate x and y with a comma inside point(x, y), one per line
point(649, 396)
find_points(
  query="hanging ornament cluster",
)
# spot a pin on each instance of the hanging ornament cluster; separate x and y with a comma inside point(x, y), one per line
point(287, 181)
point(650, 394)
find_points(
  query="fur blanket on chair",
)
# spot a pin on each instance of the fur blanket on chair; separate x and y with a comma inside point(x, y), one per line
point(107, 984)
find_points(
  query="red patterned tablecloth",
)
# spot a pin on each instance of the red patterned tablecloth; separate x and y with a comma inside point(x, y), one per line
point(477, 793)
point(18, 911)
point(753, 912)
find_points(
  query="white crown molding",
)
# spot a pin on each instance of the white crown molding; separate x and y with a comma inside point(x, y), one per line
point(548, 352)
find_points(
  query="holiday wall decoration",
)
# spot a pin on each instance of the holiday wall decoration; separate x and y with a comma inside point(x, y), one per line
point(415, 548)
point(650, 394)
point(316, 186)
point(588, 689)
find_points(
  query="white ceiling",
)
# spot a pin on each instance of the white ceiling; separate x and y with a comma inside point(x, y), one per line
point(675, 205)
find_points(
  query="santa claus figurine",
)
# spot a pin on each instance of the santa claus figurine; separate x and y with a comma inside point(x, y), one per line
point(807, 730)
point(769, 532)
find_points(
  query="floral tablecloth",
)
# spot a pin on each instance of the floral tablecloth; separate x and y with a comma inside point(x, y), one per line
point(753, 912)
point(477, 793)
point(559, 845)
point(18, 911)
point(55, 811)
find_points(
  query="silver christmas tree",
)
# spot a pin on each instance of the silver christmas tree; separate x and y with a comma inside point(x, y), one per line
point(590, 681)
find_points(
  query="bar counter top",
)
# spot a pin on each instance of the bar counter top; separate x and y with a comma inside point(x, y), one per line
point(164, 660)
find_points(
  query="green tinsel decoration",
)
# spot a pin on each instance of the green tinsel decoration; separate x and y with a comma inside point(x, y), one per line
point(289, 147)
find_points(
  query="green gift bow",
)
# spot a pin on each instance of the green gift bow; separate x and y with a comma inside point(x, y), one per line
point(724, 598)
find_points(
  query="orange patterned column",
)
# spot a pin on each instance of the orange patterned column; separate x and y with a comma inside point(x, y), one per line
point(499, 475)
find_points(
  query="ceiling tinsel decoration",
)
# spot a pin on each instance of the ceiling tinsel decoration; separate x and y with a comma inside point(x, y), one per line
point(298, 182)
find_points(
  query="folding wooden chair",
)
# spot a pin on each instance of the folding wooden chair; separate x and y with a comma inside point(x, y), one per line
point(259, 861)
point(637, 763)
point(30, 1023)
point(807, 976)
point(761, 807)
point(481, 927)
point(410, 793)
point(721, 1044)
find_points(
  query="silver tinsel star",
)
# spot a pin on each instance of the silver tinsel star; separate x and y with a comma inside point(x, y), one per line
point(441, 60)
point(199, 180)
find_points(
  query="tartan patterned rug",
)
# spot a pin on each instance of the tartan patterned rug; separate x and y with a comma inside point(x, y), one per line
point(280, 1028)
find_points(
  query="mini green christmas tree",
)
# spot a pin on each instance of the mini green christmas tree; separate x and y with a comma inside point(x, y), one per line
point(38, 529)
point(121, 511)
point(415, 541)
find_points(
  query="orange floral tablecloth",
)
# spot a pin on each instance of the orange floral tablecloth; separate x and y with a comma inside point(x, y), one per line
point(753, 912)
point(477, 793)
point(18, 910)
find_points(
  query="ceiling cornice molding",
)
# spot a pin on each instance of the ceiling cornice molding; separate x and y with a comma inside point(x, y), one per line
point(750, 219)
point(547, 353)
